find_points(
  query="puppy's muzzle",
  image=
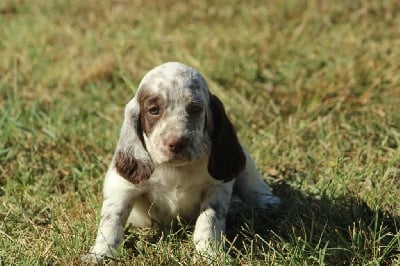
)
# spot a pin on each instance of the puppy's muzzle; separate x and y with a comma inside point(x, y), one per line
point(176, 145)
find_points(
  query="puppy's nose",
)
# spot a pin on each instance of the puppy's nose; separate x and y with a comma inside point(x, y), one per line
point(177, 144)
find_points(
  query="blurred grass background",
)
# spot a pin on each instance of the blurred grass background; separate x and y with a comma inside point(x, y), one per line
point(313, 88)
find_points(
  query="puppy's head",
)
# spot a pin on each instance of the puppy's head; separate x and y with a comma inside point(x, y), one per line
point(173, 119)
point(173, 102)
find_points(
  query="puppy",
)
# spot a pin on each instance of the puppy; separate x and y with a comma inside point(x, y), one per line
point(178, 155)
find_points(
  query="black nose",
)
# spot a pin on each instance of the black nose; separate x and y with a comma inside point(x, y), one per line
point(177, 144)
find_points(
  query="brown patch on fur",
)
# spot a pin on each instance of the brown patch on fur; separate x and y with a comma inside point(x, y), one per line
point(161, 85)
point(135, 171)
point(174, 83)
point(146, 102)
point(227, 158)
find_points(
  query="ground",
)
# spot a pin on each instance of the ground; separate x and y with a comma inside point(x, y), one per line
point(313, 88)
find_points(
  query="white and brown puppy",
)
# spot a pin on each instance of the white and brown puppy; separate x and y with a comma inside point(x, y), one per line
point(177, 156)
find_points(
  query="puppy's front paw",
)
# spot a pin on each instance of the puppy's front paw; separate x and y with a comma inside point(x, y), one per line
point(92, 259)
point(97, 259)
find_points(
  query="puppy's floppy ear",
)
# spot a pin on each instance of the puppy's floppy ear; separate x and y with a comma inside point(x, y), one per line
point(131, 159)
point(227, 158)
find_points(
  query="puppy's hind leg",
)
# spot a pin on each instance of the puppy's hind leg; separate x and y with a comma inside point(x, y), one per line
point(252, 189)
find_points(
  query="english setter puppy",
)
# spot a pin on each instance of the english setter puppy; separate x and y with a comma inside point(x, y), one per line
point(177, 156)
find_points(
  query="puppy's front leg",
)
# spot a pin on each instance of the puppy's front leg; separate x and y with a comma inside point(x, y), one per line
point(117, 205)
point(211, 223)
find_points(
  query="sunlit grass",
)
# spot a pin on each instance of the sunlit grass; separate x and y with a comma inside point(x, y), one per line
point(311, 86)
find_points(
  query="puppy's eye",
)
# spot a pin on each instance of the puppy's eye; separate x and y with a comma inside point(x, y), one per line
point(195, 108)
point(155, 110)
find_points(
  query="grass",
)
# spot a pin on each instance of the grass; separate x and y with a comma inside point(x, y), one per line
point(312, 87)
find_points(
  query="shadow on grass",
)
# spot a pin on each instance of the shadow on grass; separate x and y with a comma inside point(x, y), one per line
point(339, 231)
point(308, 229)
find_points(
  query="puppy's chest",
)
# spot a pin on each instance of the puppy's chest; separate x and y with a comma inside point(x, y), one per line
point(176, 193)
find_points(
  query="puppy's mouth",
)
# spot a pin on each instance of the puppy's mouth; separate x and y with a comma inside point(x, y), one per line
point(177, 152)
point(181, 158)
point(178, 159)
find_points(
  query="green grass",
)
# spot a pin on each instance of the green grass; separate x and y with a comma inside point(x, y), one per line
point(313, 88)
